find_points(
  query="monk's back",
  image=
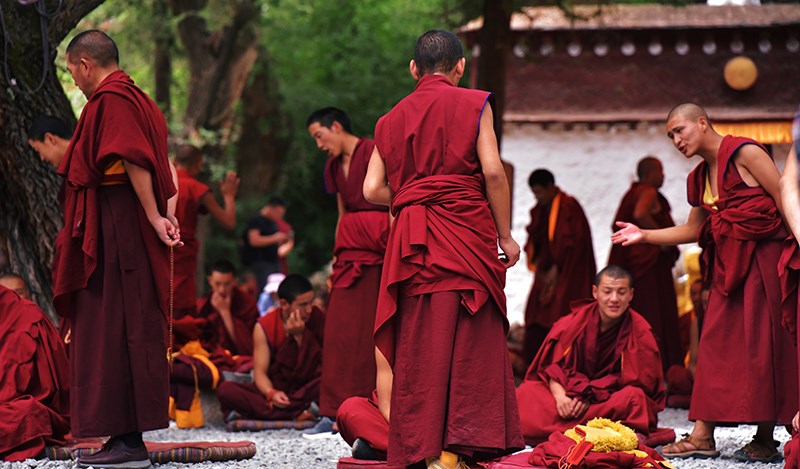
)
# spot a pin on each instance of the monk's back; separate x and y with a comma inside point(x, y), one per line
point(431, 132)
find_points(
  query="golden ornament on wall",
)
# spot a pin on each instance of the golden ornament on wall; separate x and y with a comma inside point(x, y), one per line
point(740, 73)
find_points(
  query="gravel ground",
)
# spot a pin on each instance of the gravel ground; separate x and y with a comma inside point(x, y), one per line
point(288, 449)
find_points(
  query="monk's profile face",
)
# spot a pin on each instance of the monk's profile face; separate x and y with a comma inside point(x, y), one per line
point(656, 176)
point(613, 295)
point(48, 149)
point(330, 140)
point(687, 134)
point(16, 284)
point(81, 75)
point(222, 283)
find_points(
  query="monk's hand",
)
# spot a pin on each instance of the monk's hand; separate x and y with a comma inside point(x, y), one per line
point(295, 325)
point(565, 406)
point(167, 231)
point(627, 235)
point(230, 185)
point(510, 248)
point(796, 422)
point(579, 409)
point(221, 303)
point(280, 400)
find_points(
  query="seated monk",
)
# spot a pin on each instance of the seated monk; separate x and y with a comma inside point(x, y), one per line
point(34, 382)
point(216, 341)
point(601, 360)
point(287, 359)
point(364, 423)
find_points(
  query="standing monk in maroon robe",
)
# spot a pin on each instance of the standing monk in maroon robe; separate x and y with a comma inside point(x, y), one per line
point(111, 266)
point(441, 320)
point(650, 265)
point(746, 366)
point(361, 232)
point(195, 198)
point(560, 252)
point(600, 361)
point(287, 358)
point(34, 385)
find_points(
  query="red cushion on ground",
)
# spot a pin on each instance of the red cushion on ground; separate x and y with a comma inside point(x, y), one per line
point(353, 463)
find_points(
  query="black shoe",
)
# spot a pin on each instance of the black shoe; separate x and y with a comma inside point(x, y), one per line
point(117, 454)
point(362, 450)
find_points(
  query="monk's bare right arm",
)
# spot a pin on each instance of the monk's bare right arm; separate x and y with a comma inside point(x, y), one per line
point(376, 186)
point(497, 191)
point(674, 235)
point(142, 182)
point(790, 193)
point(261, 360)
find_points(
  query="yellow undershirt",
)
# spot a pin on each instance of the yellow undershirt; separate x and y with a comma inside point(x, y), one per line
point(708, 197)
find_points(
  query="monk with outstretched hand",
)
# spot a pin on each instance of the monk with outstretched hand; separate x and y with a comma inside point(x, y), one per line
point(746, 367)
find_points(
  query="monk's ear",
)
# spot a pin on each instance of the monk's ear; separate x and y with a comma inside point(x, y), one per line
point(594, 291)
point(412, 67)
point(49, 138)
point(284, 305)
point(460, 67)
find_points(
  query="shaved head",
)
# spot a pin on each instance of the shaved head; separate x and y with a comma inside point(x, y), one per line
point(647, 165)
point(95, 45)
point(437, 51)
point(689, 111)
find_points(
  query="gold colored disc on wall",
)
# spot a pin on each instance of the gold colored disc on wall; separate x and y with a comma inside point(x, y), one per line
point(740, 73)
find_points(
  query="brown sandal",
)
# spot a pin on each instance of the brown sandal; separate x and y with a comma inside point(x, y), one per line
point(691, 447)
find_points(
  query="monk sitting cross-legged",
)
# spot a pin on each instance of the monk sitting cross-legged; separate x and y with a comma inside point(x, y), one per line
point(34, 385)
point(216, 340)
point(287, 358)
point(600, 361)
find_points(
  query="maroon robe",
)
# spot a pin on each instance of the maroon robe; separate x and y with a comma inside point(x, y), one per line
point(618, 373)
point(110, 270)
point(190, 204)
point(746, 366)
point(651, 267)
point(227, 352)
point(571, 252)
point(34, 385)
point(441, 319)
point(349, 364)
point(360, 417)
point(294, 369)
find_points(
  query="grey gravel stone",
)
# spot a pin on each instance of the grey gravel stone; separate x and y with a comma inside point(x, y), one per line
point(288, 449)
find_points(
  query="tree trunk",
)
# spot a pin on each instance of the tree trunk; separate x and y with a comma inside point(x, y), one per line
point(495, 43)
point(31, 216)
point(263, 136)
point(219, 62)
point(162, 56)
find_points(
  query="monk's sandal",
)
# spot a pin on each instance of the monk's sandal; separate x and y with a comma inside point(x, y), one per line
point(759, 451)
point(691, 447)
